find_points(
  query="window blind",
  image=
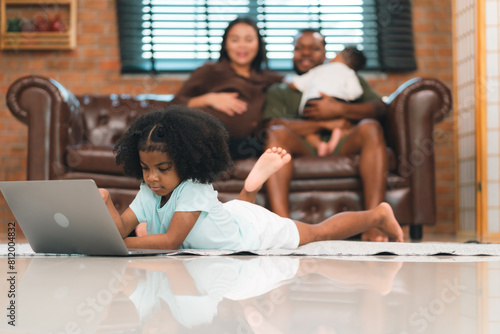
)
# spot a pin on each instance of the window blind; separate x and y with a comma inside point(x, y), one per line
point(395, 39)
point(180, 35)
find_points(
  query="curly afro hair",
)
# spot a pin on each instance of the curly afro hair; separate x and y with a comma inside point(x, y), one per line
point(194, 140)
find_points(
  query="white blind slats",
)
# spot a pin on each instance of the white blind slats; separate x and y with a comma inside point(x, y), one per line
point(179, 35)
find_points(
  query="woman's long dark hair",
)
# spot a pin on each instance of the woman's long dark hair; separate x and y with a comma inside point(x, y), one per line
point(260, 59)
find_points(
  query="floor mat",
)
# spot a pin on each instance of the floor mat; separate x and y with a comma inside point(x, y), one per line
point(331, 248)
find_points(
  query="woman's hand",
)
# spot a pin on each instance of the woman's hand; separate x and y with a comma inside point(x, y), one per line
point(227, 103)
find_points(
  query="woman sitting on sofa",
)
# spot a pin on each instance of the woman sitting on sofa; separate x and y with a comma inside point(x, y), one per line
point(234, 88)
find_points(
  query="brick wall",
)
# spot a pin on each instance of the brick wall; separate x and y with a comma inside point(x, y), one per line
point(94, 67)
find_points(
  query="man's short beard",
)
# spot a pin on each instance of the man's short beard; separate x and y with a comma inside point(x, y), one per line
point(296, 69)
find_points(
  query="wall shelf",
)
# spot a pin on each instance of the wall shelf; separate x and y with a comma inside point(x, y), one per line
point(38, 40)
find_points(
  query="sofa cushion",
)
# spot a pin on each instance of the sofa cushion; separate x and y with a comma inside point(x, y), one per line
point(105, 180)
point(93, 159)
point(101, 159)
point(394, 181)
point(312, 167)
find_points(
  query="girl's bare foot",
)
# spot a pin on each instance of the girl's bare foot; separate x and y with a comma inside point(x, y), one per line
point(269, 162)
point(387, 223)
point(374, 234)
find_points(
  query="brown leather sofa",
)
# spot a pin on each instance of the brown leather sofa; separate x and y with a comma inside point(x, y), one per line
point(71, 137)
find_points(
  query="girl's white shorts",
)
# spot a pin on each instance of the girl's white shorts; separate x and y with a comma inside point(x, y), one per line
point(273, 231)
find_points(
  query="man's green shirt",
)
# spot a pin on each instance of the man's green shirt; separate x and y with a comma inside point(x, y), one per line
point(283, 101)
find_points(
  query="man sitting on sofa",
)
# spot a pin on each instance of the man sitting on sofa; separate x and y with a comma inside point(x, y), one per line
point(287, 129)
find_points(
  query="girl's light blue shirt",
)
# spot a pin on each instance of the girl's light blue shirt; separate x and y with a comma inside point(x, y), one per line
point(216, 228)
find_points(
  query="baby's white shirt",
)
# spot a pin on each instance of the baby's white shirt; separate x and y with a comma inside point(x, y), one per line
point(334, 79)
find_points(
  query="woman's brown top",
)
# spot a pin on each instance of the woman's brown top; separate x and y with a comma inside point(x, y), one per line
point(220, 77)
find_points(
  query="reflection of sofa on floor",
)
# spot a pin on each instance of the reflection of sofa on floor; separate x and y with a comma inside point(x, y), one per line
point(71, 137)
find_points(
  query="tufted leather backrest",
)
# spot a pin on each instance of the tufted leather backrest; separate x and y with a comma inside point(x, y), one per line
point(106, 118)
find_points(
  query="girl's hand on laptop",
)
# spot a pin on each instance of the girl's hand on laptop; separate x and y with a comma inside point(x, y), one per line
point(105, 194)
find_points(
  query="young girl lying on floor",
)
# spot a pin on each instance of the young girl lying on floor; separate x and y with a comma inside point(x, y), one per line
point(177, 153)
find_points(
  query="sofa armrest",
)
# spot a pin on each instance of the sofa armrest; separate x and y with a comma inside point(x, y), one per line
point(52, 115)
point(412, 112)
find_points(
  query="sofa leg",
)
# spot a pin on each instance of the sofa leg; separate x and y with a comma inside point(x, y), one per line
point(416, 232)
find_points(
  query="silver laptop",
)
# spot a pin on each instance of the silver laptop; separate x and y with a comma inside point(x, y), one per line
point(66, 217)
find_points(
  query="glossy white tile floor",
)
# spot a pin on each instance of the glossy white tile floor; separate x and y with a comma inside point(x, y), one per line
point(254, 295)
